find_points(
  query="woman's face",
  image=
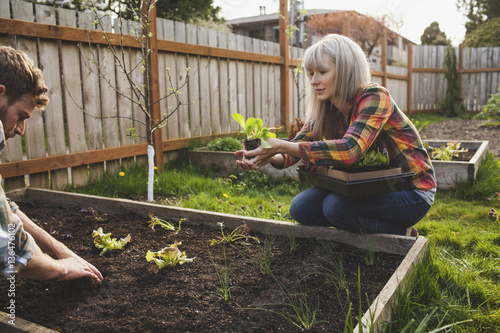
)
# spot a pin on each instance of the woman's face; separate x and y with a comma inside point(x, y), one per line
point(323, 80)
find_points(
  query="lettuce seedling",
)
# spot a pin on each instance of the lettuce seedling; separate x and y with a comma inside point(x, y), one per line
point(105, 242)
point(254, 129)
point(96, 217)
point(168, 256)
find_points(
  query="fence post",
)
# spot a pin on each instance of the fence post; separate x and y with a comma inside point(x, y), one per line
point(285, 65)
point(410, 78)
point(384, 57)
point(460, 68)
point(154, 86)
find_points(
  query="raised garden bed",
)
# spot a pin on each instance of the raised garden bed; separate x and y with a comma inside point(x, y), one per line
point(448, 171)
point(182, 294)
point(226, 162)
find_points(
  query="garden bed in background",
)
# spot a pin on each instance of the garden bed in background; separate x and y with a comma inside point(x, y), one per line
point(184, 298)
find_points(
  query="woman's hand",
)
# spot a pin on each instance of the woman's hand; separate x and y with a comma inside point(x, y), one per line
point(256, 158)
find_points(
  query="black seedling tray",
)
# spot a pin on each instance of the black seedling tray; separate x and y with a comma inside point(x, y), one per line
point(358, 188)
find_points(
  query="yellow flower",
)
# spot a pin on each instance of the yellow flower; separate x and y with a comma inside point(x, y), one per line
point(121, 174)
point(155, 167)
point(224, 195)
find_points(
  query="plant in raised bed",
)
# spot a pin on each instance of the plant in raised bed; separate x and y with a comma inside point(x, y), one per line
point(224, 288)
point(446, 153)
point(95, 216)
point(154, 221)
point(106, 243)
point(255, 132)
point(240, 234)
point(224, 144)
point(167, 257)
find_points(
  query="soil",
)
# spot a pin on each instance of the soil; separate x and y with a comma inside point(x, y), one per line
point(464, 130)
point(184, 298)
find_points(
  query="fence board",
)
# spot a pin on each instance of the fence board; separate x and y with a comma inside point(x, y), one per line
point(214, 86)
point(264, 85)
point(233, 82)
point(240, 46)
point(204, 84)
point(34, 132)
point(73, 97)
point(257, 80)
point(180, 77)
point(194, 84)
point(54, 117)
point(91, 104)
point(224, 86)
point(124, 96)
point(252, 109)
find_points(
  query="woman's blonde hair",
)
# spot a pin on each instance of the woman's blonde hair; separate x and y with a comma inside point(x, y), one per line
point(352, 75)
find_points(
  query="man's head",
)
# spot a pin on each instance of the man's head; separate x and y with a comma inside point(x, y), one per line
point(22, 89)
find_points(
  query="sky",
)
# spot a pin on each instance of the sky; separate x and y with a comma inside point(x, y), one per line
point(415, 15)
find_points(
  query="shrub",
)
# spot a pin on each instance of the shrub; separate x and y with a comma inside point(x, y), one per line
point(224, 144)
point(487, 181)
point(491, 110)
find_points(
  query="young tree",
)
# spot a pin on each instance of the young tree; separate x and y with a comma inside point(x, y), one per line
point(367, 31)
point(434, 36)
point(452, 105)
point(138, 88)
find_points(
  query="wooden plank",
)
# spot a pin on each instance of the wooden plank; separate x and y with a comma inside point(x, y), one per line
point(271, 81)
point(194, 84)
point(124, 95)
point(241, 75)
point(21, 325)
point(233, 82)
point(257, 82)
point(284, 69)
point(277, 90)
point(224, 86)
point(377, 242)
point(82, 35)
point(91, 104)
point(264, 85)
point(204, 85)
point(73, 96)
point(180, 77)
point(34, 131)
point(109, 109)
point(54, 116)
point(162, 25)
point(250, 81)
point(214, 86)
point(171, 64)
point(381, 307)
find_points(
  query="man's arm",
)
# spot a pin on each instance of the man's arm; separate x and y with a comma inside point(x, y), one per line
point(52, 246)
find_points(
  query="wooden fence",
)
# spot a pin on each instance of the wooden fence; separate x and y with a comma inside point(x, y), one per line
point(229, 73)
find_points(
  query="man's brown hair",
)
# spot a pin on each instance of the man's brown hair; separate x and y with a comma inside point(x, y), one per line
point(19, 76)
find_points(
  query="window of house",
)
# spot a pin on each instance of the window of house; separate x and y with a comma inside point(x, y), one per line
point(276, 34)
point(259, 34)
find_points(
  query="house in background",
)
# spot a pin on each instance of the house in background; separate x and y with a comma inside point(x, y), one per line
point(266, 27)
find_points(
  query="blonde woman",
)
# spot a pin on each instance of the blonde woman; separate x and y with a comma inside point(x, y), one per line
point(348, 116)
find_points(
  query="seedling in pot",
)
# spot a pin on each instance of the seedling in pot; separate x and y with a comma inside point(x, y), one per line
point(167, 257)
point(105, 242)
point(255, 132)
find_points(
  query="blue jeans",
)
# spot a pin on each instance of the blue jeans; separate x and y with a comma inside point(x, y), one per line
point(390, 213)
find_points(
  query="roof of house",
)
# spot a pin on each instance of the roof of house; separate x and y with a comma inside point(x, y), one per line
point(275, 16)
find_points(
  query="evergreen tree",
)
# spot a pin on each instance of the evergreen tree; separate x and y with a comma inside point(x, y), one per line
point(479, 12)
point(487, 34)
point(452, 105)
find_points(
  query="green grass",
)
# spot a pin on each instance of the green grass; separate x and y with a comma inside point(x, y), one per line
point(458, 284)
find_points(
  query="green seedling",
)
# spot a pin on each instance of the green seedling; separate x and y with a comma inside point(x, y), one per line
point(96, 217)
point(154, 221)
point(242, 233)
point(373, 158)
point(105, 242)
point(167, 257)
point(451, 150)
point(253, 128)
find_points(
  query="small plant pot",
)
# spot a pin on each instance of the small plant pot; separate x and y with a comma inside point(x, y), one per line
point(251, 145)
